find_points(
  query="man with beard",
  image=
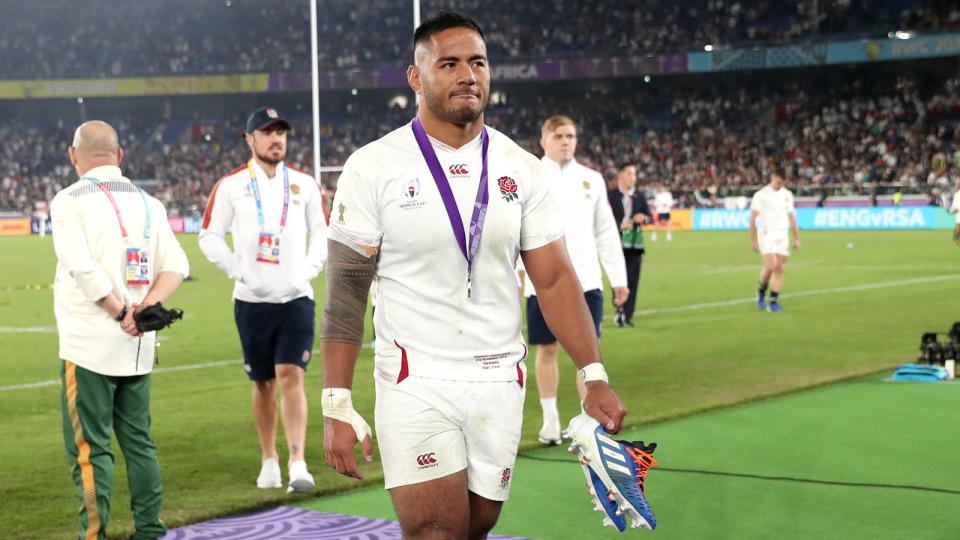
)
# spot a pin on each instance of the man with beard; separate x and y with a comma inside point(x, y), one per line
point(438, 210)
point(271, 208)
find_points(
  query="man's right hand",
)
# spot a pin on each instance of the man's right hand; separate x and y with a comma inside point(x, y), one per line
point(603, 404)
point(339, 440)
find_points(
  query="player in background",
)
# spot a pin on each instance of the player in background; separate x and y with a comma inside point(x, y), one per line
point(955, 209)
point(663, 203)
point(773, 205)
point(590, 233)
point(41, 214)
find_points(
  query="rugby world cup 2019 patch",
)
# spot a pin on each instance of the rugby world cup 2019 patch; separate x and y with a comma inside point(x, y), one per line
point(411, 195)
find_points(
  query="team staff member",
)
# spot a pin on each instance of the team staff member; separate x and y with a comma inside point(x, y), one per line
point(271, 209)
point(442, 241)
point(589, 232)
point(115, 254)
point(630, 212)
point(773, 204)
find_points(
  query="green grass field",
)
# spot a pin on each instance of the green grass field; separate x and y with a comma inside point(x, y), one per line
point(699, 345)
point(844, 461)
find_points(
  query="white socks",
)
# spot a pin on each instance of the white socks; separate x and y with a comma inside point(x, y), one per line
point(549, 406)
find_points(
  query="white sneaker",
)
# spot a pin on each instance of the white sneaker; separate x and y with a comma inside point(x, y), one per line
point(550, 432)
point(269, 475)
point(301, 481)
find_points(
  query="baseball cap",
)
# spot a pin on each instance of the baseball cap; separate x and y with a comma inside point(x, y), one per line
point(263, 118)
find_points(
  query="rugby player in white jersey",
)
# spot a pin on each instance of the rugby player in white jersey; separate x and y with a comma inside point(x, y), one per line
point(438, 210)
point(663, 203)
point(773, 204)
point(592, 238)
point(955, 209)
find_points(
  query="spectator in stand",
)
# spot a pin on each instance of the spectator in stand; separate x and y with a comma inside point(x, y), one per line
point(187, 45)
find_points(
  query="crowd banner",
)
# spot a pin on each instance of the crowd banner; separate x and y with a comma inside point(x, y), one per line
point(135, 86)
point(820, 53)
point(893, 49)
point(905, 217)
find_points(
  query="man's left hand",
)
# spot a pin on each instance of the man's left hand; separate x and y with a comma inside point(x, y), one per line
point(602, 403)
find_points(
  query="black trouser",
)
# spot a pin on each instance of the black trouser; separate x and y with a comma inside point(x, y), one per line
point(634, 259)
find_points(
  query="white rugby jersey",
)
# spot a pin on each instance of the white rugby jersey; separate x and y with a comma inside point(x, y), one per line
point(955, 207)
point(589, 228)
point(425, 323)
point(233, 207)
point(663, 202)
point(773, 207)
point(91, 262)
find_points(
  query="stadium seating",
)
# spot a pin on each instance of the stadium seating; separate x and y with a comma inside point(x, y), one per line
point(116, 38)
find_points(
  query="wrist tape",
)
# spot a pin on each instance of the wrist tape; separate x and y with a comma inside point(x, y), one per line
point(338, 404)
point(594, 372)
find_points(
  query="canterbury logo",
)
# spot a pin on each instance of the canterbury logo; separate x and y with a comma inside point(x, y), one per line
point(459, 168)
point(427, 459)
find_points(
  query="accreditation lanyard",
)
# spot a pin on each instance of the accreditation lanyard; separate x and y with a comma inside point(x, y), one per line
point(106, 191)
point(256, 196)
point(479, 208)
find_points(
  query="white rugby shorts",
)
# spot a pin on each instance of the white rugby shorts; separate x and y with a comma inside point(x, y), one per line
point(431, 428)
point(774, 241)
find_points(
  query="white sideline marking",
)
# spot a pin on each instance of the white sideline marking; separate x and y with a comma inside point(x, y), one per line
point(813, 292)
point(690, 307)
point(824, 264)
point(27, 329)
point(157, 370)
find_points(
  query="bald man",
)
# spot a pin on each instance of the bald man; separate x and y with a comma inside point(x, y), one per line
point(116, 255)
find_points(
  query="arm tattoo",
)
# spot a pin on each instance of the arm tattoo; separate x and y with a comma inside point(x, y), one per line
point(349, 275)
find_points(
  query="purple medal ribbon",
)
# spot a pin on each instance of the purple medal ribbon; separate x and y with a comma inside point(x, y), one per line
point(479, 208)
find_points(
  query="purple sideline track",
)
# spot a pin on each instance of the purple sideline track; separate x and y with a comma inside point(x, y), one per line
point(289, 523)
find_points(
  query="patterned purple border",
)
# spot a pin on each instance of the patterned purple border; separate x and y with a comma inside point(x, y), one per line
point(288, 523)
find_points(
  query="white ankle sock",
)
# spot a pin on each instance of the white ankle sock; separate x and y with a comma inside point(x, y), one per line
point(549, 405)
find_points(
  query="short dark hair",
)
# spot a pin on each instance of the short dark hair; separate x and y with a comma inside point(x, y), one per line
point(780, 171)
point(623, 166)
point(443, 20)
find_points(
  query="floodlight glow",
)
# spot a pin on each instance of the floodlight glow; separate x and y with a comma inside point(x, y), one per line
point(708, 47)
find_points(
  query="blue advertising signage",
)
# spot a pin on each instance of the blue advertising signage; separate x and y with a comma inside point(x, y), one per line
point(906, 217)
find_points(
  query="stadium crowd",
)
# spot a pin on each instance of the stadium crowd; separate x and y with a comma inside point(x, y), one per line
point(117, 38)
point(705, 144)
